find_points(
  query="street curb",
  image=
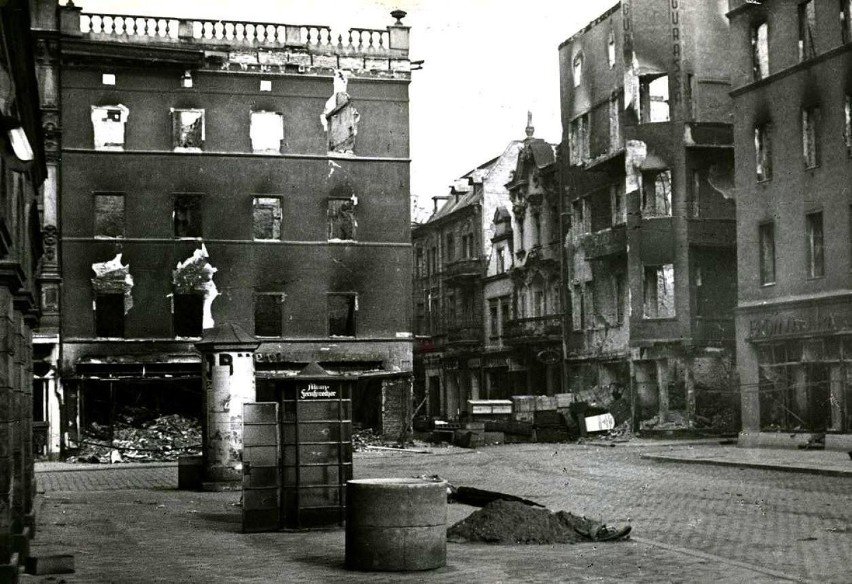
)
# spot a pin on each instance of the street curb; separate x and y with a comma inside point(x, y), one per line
point(761, 466)
point(91, 467)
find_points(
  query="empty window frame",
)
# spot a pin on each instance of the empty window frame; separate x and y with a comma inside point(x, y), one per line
point(654, 98)
point(187, 129)
point(807, 30)
point(109, 315)
point(610, 49)
point(766, 237)
point(760, 50)
point(266, 218)
point(342, 308)
point(815, 250)
point(500, 260)
point(109, 215)
point(493, 316)
point(186, 216)
point(657, 194)
point(268, 314)
point(658, 292)
point(846, 20)
point(810, 149)
point(267, 132)
point(468, 246)
point(579, 140)
point(187, 314)
point(763, 152)
point(618, 204)
point(108, 123)
point(342, 224)
point(578, 70)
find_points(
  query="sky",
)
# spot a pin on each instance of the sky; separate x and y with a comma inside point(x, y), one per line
point(486, 64)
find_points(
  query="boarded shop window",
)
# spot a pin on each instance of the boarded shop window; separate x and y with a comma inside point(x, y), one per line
point(760, 50)
point(268, 313)
point(267, 132)
point(266, 218)
point(187, 215)
point(846, 20)
point(109, 215)
point(610, 49)
point(763, 152)
point(654, 98)
point(108, 123)
point(807, 28)
point(578, 70)
point(187, 129)
point(341, 314)
point(810, 119)
point(341, 220)
point(657, 194)
point(766, 234)
point(815, 255)
point(109, 315)
point(659, 291)
point(579, 140)
point(187, 314)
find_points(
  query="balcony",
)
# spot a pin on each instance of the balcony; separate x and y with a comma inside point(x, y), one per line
point(606, 242)
point(464, 331)
point(537, 328)
point(469, 269)
point(713, 331)
point(709, 135)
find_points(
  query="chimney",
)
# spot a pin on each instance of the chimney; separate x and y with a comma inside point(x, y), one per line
point(435, 200)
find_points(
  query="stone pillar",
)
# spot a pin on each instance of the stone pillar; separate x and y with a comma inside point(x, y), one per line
point(838, 397)
point(227, 363)
point(663, 387)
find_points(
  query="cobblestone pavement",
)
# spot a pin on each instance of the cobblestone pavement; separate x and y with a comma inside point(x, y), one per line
point(691, 523)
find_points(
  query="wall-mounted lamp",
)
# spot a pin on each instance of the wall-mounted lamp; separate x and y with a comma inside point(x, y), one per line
point(16, 147)
point(186, 80)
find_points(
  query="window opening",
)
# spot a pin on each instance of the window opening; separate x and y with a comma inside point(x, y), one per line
point(763, 153)
point(268, 315)
point(654, 98)
point(816, 258)
point(760, 51)
point(766, 233)
point(187, 215)
point(266, 218)
point(659, 291)
point(267, 132)
point(807, 27)
point(657, 194)
point(187, 129)
point(342, 224)
point(108, 123)
point(341, 314)
point(109, 215)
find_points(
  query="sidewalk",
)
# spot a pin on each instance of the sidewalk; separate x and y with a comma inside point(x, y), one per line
point(822, 462)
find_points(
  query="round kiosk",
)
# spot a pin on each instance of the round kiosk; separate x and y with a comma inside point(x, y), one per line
point(396, 525)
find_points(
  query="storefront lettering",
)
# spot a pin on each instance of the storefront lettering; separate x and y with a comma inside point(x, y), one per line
point(676, 51)
point(317, 391)
point(766, 328)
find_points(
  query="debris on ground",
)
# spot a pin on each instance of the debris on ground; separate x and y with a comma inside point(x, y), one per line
point(366, 439)
point(513, 522)
point(675, 420)
point(161, 439)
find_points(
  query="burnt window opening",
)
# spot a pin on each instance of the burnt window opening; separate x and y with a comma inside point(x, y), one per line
point(618, 204)
point(760, 50)
point(610, 49)
point(340, 118)
point(109, 215)
point(654, 99)
point(763, 152)
point(657, 194)
point(342, 224)
point(807, 28)
point(579, 143)
point(268, 315)
point(187, 314)
point(342, 308)
point(815, 249)
point(810, 149)
point(618, 297)
point(187, 129)
point(266, 132)
point(846, 20)
point(186, 215)
point(578, 70)
point(581, 217)
point(766, 235)
point(108, 123)
point(266, 218)
point(109, 315)
point(658, 292)
point(601, 207)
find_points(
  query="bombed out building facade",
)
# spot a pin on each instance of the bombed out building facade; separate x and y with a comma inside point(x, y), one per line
point(212, 172)
point(791, 70)
point(647, 164)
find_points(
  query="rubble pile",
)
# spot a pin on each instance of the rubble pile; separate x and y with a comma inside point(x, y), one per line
point(366, 438)
point(511, 522)
point(161, 439)
point(676, 420)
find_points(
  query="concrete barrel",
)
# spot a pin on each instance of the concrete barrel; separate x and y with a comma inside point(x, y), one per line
point(396, 524)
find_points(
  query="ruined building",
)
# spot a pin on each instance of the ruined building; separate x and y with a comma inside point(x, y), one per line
point(22, 172)
point(214, 172)
point(792, 90)
point(458, 284)
point(647, 162)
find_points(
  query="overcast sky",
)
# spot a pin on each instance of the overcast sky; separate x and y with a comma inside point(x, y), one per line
point(486, 64)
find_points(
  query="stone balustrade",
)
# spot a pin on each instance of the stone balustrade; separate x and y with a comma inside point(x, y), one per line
point(148, 29)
